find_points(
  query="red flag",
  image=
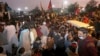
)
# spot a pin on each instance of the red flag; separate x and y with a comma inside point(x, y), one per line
point(50, 5)
point(77, 11)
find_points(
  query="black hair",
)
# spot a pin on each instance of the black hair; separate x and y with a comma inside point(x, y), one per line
point(1, 50)
point(84, 30)
point(21, 50)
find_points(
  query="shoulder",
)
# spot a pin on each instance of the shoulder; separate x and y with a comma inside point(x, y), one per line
point(3, 55)
point(90, 44)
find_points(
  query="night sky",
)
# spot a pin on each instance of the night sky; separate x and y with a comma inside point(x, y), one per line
point(14, 4)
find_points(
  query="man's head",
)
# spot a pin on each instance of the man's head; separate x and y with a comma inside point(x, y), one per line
point(21, 50)
point(82, 33)
point(2, 26)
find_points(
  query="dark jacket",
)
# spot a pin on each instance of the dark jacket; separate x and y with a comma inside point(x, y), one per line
point(87, 47)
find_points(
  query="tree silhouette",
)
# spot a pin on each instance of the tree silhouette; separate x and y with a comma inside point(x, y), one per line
point(7, 7)
point(91, 5)
point(72, 7)
point(36, 11)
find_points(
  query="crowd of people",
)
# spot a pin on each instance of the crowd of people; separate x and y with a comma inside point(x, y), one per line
point(50, 35)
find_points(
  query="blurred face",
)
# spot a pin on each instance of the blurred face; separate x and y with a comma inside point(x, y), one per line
point(70, 37)
point(81, 35)
point(1, 28)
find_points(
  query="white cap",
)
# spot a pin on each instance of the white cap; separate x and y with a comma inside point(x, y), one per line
point(44, 23)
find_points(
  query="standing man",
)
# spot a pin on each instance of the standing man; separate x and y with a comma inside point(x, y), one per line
point(25, 38)
point(33, 34)
point(44, 29)
point(3, 39)
point(86, 44)
point(11, 36)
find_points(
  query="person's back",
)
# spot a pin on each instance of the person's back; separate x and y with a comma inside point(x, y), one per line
point(3, 37)
point(33, 35)
point(11, 37)
point(38, 30)
point(43, 41)
point(11, 31)
point(44, 30)
point(50, 43)
point(25, 40)
point(85, 20)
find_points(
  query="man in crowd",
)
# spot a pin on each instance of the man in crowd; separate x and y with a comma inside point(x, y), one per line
point(86, 19)
point(86, 44)
point(44, 29)
point(33, 34)
point(3, 39)
point(11, 36)
point(25, 39)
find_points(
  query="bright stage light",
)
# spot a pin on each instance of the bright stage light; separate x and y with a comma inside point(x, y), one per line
point(19, 9)
point(65, 2)
point(61, 11)
point(83, 9)
point(26, 8)
point(53, 6)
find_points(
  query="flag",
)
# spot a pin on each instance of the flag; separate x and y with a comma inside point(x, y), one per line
point(77, 11)
point(50, 5)
point(42, 10)
point(41, 7)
